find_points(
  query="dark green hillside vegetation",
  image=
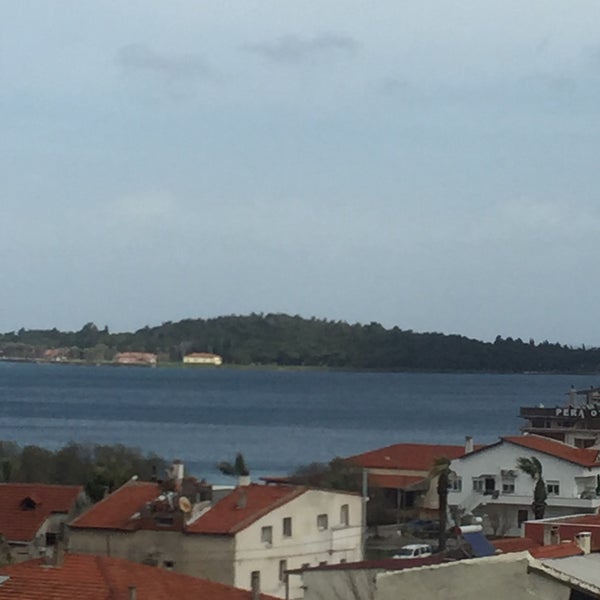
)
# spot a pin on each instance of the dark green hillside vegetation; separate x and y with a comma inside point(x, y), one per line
point(284, 340)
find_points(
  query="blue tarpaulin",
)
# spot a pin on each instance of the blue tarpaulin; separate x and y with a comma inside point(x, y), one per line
point(479, 543)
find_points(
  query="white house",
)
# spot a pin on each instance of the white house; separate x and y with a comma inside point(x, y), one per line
point(202, 358)
point(488, 483)
point(255, 534)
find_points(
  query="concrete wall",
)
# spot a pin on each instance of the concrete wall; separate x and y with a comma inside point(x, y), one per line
point(349, 584)
point(211, 557)
point(497, 578)
point(308, 545)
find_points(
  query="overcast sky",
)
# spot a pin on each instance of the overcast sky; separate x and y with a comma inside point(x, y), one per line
point(426, 164)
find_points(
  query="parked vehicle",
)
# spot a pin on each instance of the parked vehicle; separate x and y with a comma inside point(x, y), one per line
point(414, 551)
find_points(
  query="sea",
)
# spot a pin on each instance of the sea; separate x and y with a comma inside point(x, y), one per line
point(279, 419)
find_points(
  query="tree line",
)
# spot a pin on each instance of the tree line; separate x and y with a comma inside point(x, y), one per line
point(285, 340)
point(99, 468)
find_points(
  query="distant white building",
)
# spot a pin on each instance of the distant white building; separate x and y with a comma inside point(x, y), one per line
point(488, 483)
point(202, 358)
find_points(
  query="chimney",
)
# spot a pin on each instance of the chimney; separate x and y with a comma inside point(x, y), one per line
point(244, 480)
point(132, 592)
point(241, 499)
point(255, 585)
point(58, 558)
point(584, 541)
point(468, 444)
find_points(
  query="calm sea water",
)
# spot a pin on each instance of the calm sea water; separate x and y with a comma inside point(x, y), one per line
point(279, 419)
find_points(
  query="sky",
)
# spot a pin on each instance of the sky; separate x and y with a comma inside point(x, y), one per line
point(428, 164)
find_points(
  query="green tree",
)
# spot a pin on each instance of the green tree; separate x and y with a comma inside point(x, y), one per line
point(533, 467)
point(237, 468)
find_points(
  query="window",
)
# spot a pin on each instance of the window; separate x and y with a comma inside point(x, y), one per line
point(169, 565)
point(553, 488)
point(508, 487)
point(282, 569)
point(342, 561)
point(322, 563)
point(255, 580)
point(345, 515)
point(522, 516)
point(287, 527)
point(455, 484)
point(478, 485)
point(266, 535)
point(322, 522)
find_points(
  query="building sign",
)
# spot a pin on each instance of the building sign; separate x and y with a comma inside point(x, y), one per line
point(580, 412)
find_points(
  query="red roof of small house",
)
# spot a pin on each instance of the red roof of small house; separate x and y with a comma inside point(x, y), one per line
point(586, 457)
point(88, 577)
point(24, 507)
point(556, 550)
point(515, 544)
point(244, 506)
point(116, 510)
point(415, 457)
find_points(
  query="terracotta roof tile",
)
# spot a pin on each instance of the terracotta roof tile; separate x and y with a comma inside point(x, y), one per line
point(87, 577)
point(586, 457)
point(242, 507)
point(116, 511)
point(556, 550)
point(516, 544)
point(417, 457)
point(20, 524)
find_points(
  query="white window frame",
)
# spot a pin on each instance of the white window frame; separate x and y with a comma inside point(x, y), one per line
point(553, 488)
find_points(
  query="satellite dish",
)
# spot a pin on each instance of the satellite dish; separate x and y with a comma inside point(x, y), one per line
point(185, 505)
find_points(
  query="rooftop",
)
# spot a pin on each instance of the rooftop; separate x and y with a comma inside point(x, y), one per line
point(242, 507)
point(586, 457)
point(116, 510)
point(24, 507)
point(102, 578)
point(416, 457)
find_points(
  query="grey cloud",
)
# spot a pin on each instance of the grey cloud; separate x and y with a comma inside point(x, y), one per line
point(139, 57)
point(292, 49)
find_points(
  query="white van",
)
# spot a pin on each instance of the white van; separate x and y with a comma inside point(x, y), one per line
point(414, 551)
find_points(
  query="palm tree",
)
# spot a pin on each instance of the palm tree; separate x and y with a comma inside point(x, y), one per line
point(441, 470)
point(533, 467)
point(238, 468)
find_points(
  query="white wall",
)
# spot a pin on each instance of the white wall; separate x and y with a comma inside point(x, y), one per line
point(307, 544)
point(491, 461)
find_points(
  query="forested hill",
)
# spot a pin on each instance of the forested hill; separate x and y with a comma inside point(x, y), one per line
point(279, 339)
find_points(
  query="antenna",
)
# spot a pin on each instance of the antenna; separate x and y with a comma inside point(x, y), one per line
point(185, 506)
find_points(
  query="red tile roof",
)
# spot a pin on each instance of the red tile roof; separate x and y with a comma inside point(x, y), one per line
point(516, 544)
point(586, 457)
point(87, 577)
point(415, 457)
point(556, 550)
point(116, 511)
point(242, 507)
point(18, 524)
